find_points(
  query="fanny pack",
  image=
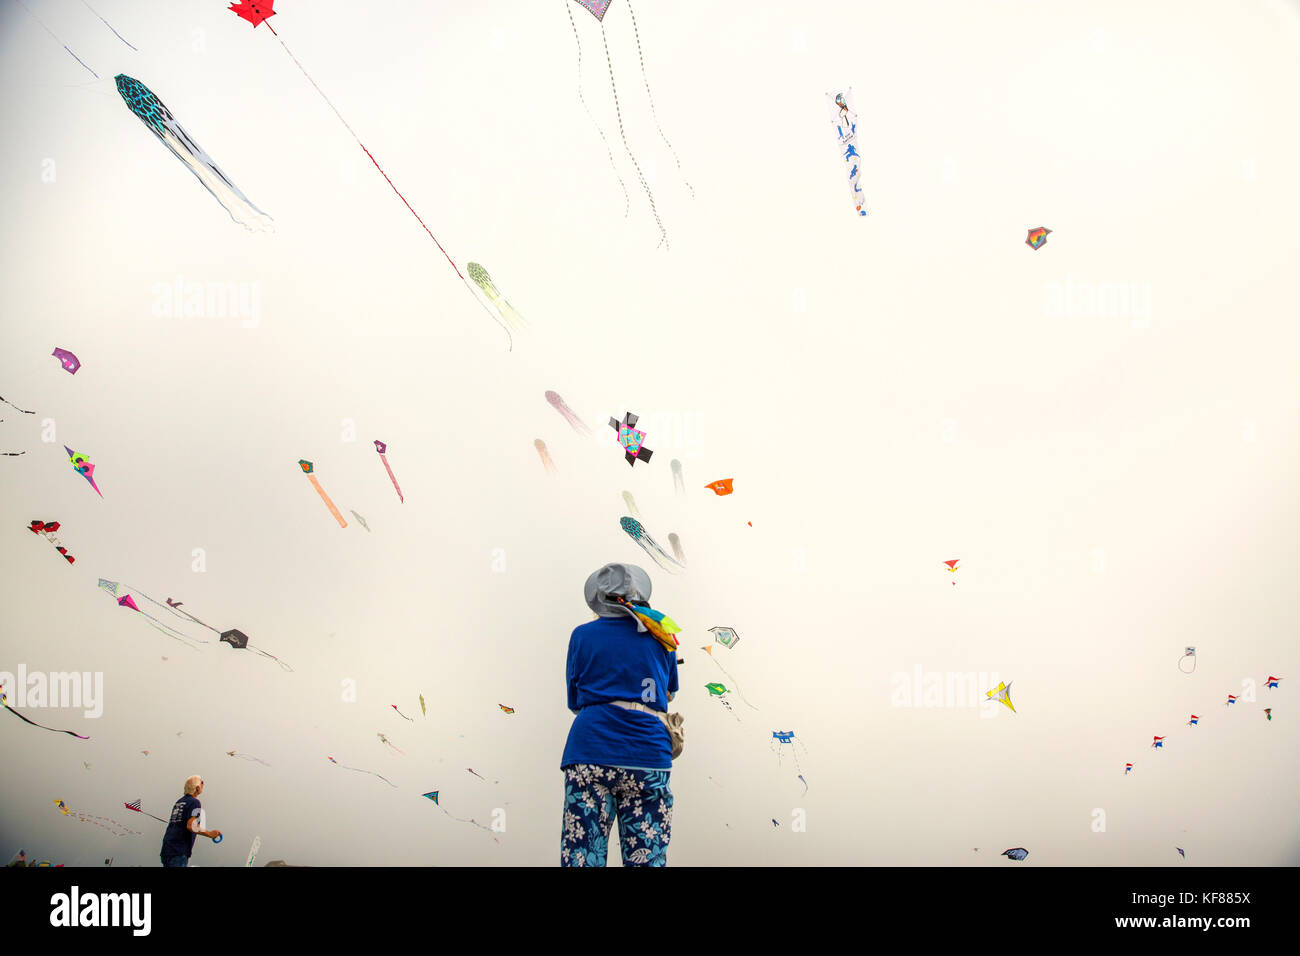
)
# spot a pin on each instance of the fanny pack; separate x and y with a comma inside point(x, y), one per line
point(673, 722)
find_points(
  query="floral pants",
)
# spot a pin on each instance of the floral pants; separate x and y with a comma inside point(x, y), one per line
point(594, 795)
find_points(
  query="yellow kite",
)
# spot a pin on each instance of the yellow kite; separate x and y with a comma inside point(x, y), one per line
point(1002, 693)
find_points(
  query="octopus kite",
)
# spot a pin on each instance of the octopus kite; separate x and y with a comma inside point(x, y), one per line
point(160, 121)
point(574, 421)
point(509, 317)
point(545, 456)
point(647, 544)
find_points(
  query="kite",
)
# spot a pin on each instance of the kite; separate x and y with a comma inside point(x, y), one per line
point(676, 544)
point(231, 753)
point(725, 636)
point(630, 439)
point(775, 824)
point(647, 544)
point(679, 483)
point(4, 701)
point(720, 633)
point(846, 130)
point(422, 710)
point(432, 795)
point(400, 714)
point(239, 640)
point(1128, 769)
point(510, 319)
point(150, 110)
point(631, 504)
point(952, 566)
point(779, 740)
point(1002, 693)
point(1015, 853)
point(720, 487)
point(574, 421)
point(108, 823)
point(16, 408)
point(805, 786)
point(1232, 699)
point(135, 805)
point(307, 469)
point(508, 710)
point(1271, 683)
point(1158, 742)
point(359, 770)
point(1180, 852)
point(70, 362)
point(145, 752)
point(252, 850)
point(84, 468)
point(383, 456)
point(125, 600)
point(720, 691)
point(46, 530)
point(1194, 721)
point(1188, 652)
point(479, 775)
point(545, 456)
point(1037, 237)
point(385, 740)
point(1268, 712)
point(360, 520)
point(597, 9)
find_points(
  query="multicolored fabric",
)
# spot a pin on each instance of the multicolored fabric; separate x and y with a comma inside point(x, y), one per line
point(660, 625)
point(595, 795)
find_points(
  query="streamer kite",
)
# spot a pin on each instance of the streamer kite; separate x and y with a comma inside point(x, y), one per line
point(574, 421)
point(432, 796)
point(360, 520)
point(637, 533)
point(307, 469)
point(4, 701)
point(384, 740)
point(383, 456)
point(679, 483)
point(252, 850)
point(1037, 238)
point(422, 710)
point(108, 823)
point(16, 408)
point(631, 439)
point(359, 770)
point(46, 530)
point(113, 589)
point(400, 714)
point(545, 456)
point(676, 544)
point(631, 504)
point(846, 130)
point(84, 468)
point(69, 361)
point(1189, 652)
point(510, 318)
point(598, 8)
point(250, 757)
point(159, 120)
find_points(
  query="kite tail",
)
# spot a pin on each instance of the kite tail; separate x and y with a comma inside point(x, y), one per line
point(107, 24)
point(581, 99)
point(663, 233)
point(170, 632)
point(205, 170)
point(283, 665)
point(653, 114)
point(53, 730)
point(393, 478)
point(12, 405)
point(511, 315)
point(510, 339)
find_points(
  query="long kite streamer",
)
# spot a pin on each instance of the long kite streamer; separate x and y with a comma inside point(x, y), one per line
point(307, 469)
point(12, 405)
point(108, 823)
point(359, 770)
point(231, 753)
point(4, 700)
point(581, 99)
point(382, 448)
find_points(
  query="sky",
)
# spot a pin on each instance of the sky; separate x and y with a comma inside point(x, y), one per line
point(1101, 431)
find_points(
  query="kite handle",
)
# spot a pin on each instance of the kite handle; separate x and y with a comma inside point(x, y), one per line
point(219, 838)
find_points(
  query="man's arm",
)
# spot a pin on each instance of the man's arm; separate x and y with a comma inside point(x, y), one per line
point(193, 827)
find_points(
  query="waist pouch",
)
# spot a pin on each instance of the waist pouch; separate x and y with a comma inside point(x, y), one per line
point(673, 722)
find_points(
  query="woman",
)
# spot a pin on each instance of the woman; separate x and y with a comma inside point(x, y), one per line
point(622, 671)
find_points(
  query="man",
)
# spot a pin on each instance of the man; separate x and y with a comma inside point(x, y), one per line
point(186, 823)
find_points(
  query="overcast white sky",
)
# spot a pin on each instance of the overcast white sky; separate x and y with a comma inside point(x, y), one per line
point(1116, 474)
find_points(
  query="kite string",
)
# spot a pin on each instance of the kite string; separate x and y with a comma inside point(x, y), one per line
point(12, 405)
point(623, 135)
point(56, 39)
point(107, 24)
point(653, 114)
point(608, 152)
point(363, 147)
